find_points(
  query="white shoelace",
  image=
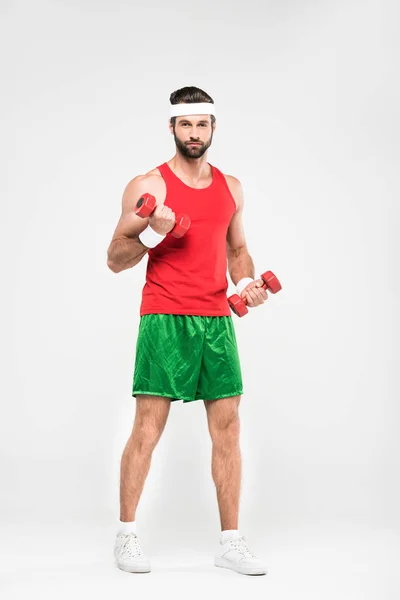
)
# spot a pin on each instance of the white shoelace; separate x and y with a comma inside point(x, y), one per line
point(130, 548)
point(240, 544)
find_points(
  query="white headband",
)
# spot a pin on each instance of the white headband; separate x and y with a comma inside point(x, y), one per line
point(203, 108)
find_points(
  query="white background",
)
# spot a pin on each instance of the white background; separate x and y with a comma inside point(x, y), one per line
point(307, 97)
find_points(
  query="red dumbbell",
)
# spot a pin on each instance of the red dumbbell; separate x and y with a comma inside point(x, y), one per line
point(145, 206)
point(238, 304)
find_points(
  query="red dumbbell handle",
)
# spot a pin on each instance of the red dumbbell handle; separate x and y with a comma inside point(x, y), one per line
point(147, 204)
point(271, 283)
point(263, 286)
point(239, 304)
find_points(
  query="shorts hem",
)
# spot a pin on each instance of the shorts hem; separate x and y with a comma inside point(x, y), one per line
point(172, 396)
point(186, 399)
point(189, 312)
point(223, 396)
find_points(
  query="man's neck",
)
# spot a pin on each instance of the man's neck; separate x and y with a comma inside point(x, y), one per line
point(191, 168)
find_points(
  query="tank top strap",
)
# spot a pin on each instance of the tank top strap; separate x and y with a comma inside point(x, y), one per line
point(165, 172)
point(217, 174)
point(220, 179)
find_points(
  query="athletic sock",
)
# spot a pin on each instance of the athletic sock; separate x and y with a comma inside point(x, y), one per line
point(127, 527)
point(229, 534)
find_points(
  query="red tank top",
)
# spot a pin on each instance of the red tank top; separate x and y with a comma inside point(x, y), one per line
point(187, 276)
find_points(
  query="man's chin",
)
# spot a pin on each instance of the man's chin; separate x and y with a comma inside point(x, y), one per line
point(196, 152)
point(193, 152)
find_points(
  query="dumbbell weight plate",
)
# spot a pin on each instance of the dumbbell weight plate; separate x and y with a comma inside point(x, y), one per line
point(271, 282)
point(145, 205)
point(182, 224)
point(237, 305)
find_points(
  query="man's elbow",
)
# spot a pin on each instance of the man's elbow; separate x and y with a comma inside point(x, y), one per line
point(117, 267)
point(113, 267)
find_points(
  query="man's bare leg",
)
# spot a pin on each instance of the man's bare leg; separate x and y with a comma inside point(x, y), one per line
point(150, 419)
point(224, 428)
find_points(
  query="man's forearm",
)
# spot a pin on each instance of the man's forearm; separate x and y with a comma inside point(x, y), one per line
point(240, 264)
point(125, 253)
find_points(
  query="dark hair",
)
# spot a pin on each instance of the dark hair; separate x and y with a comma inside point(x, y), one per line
point(190, 95)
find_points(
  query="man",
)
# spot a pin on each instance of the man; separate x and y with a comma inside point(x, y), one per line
point(186, 347)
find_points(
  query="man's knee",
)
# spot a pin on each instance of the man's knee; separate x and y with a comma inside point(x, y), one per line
point(150, 419)
point(226, 434)
point(223, 420)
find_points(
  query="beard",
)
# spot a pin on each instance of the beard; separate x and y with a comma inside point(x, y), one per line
point(192, 151)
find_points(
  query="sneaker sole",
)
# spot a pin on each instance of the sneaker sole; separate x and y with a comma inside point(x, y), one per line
point(134, 568)
point(228, 564)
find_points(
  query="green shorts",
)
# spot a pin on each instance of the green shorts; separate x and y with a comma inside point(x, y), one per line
point(187, 357)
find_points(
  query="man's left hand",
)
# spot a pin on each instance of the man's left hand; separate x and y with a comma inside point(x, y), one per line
point(254, 293)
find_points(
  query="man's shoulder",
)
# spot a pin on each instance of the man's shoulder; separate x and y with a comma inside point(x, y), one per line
point(235, 188)
point(151, 182)
point(231, 180)
point(153, 175)
point(153, 172)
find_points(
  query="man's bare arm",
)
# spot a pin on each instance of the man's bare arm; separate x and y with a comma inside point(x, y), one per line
point(125, 249)
point(240, 263)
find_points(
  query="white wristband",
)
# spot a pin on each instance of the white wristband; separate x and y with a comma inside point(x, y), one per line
point(242, 284)
point(150, 238)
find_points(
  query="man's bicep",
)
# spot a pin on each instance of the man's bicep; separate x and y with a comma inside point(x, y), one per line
point(129, 224)
point(235, 237)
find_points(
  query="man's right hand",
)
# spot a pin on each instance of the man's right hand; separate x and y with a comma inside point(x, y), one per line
point(125, 249)
point(162, 219)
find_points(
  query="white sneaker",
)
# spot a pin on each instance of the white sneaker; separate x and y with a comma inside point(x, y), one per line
point(129, 555)
point(235, 555)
